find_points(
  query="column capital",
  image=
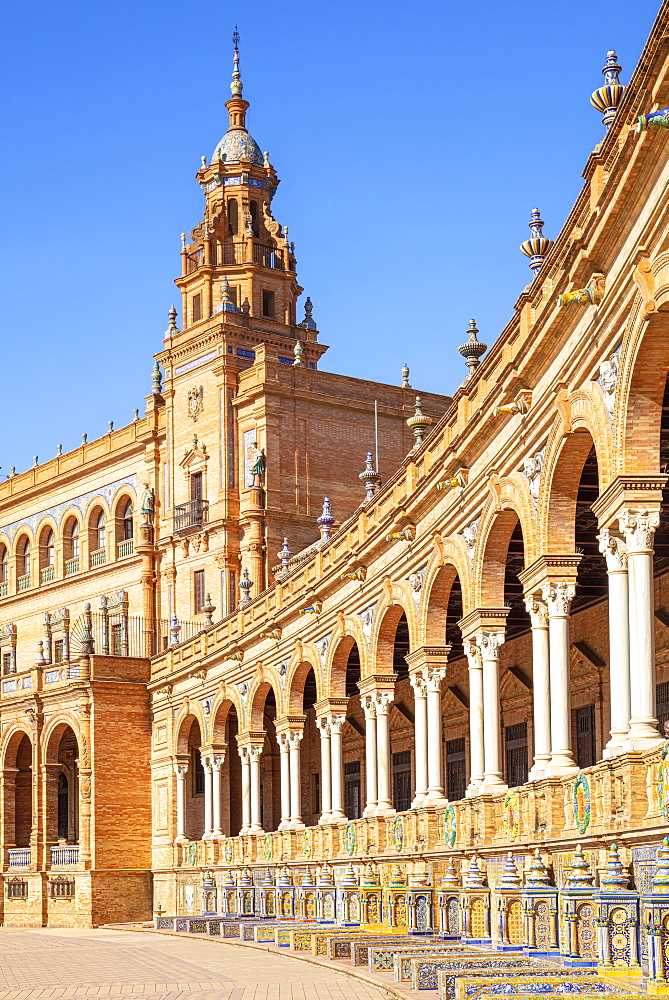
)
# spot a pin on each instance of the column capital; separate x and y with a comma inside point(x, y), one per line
point(368, 706)
point(326, 706)
point(538, 612)
point(547, 570)
point(337, 723)
point(290, 724)
point(418, 682)
point(383, 701)
point(614, 550)
point(181, 770)
point(426, 656)
point(323, 725)
point(472, 652)
point(377, 682)
point(294, 738)
point(250, 746)
point(628, 491)
point(434, 677)
point(483, 620)
point(558, 598)
point(489, 642)
point(638, 527)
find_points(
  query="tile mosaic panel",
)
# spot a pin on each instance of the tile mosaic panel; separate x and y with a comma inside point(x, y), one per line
point(424, 971)
point(448, 979)
point(536, 986)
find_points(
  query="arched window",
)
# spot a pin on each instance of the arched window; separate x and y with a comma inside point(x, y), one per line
point(233, 217)
point(4, 564)
point(99, 530)
point(23, 557)
point(128, 522)
point(49, 552)
point(74, 540)
point(254, 217)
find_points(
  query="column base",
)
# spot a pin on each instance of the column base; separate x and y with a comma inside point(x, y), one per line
point(338, 819)
point(245, 831)
point(419, 800)
point(435, 798)
point(295, 824)
point(384, 809)
point(493, 784)
point(324, 819)
point(643, 735)
point(181, 839)
point(473, 788)
point(283, 825)
point(562, 763)
point(208, 835)
point(539, 768)
point(369, 810)
point(218, 835)
point(256, 830)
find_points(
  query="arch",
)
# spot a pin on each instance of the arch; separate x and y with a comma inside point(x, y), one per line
point(11, 744)
point(233, 217)
point(18, 798)
point(563, 477)
point(124, 517)
point(97, 528)
point(221, 707)
point(66, 750)
point(438, 592)
point(387, 616)
point(295, 685)
point(491, 561)
point(71, 538)
point(642, 373)
point(255, 704)
point(22, 550)
point(53, 735)
point(4, 562)
point(339, 664)
point(46, 536)
point(183, 725)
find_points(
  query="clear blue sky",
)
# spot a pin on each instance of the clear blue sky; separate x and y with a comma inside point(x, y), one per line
point(412, 140)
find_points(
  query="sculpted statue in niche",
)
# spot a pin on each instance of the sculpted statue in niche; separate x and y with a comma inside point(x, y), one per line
point(532, 470)
point(148, 503)
point(608, 379)
point(257, 465)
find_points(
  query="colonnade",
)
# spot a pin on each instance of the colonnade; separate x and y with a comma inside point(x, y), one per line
point(549, 584)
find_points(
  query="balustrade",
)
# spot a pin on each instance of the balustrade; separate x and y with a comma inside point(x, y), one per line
point(62, 857)
point(126, 548)
point(71, 566)
point(23, 582)
point(98, 557)
point(19, 857)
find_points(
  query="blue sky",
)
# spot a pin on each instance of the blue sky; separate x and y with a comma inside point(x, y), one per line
point(412, 141)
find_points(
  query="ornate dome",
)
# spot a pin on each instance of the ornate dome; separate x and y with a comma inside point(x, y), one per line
point(237, 143)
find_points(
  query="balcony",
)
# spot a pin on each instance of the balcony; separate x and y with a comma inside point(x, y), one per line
point(126, 548)
point(4, 588)
point(63, 857)
point(98, 558)
point(19, 857)
point(47, 574)
point(23, 582)
point(191, 515)
point(71, 566)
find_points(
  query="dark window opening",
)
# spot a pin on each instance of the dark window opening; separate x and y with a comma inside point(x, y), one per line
point(61, 887)
point(268, 304)
point(585, 736)
point(254, 217)
point(401, 648)
point(196, 308)
point(352, 671)
point(352, 789)
point(232, 591)
point(198, 591)
point(63, 807)
point(518, 620)
point(662, 702)
point(17, 889)
point(117, 639)
point(591, 580)
point(233, 217)
point(316, 792)
point(515, 743)
point(402, 780)
point(196, 486)
point(58, 648)
point(309, 694)
point(198, 772)
point(7, 665)
point(456, 769)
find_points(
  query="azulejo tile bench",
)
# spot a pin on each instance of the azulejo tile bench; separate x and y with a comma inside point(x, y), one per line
point(424, 970)
point(558, 983)
point(449, 980)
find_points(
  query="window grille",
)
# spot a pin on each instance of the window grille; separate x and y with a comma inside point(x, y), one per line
point(402, 780)
point(198, 591)
point(60, 888)
point(456, 769)
point(515, 742)
point(17, 889)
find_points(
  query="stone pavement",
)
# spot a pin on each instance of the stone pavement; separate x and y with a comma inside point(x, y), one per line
point(54, 963)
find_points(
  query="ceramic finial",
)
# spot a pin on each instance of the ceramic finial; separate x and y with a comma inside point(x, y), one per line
point(607, 98)
point(538, 245)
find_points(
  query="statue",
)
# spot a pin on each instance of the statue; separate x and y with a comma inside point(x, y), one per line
point(532, 471)
point(147, 506)
point(257, 465)
point(608, 378)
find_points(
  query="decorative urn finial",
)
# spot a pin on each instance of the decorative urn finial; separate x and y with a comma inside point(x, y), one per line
point(370, 477)
point(614, 875)
point(227, 305)
point(208, 609)
point(156, 380)
point(510, 875)
point(172, 328)
point(472, 349)
point(607, 98)
point(245, 585)
point(474, 877)
point(660, 883)
point(450, 879)
point(579, 875)
point(299, 355)
point(308, 322)
point(326, 520)
point(538, 245)
point(284, 555)
point(419, 423)
point(537, 874)
point(405, 376)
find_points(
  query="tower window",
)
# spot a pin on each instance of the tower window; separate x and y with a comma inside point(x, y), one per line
point(233, 217)
point(198, 591)
point(268, 304)
point(196, 308)
point(254, 217)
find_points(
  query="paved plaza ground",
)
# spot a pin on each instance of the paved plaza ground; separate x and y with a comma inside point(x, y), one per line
point(54, 963)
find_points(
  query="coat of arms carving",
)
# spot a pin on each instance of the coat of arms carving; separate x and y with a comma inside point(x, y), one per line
point(195, 401)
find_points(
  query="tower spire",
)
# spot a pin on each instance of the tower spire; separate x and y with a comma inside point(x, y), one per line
point(236, 86)
point(237, 106)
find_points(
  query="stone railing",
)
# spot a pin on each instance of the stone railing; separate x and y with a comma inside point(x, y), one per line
point(62, 857)
point(613, 797)
point(19, 857)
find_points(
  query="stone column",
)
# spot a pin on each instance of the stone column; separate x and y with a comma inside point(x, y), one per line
point(284, 759)
point(246, 791)
point(181, 770)
point(208, 796)
point(476, 758)
point(420, 737)
point(384, 805)
point(336, 725)
point(614, 551)
point(369, 708)
point(489, 643)
point(638, 527)
point(294, 739)
point(216, 764)
point(541, 687)
point(558, 598)
point(255, 752)
point(435, 788)
point(323, 725)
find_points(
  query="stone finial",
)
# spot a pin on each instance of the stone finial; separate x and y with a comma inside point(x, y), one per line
point(370, 477)
point(419, 423)
point(614, 875)
point(369, 876)
point(175, 628)
point(59, 450)
point(227, 305)
point(538, 245)
point(607, 98)
point(308, 322)
point(398, 876)
point(451, 878)
point(246, 878)
point(510, 875)
point(325, 877)
point(580, 875)
point(229, 882)
point(660, 883)
point(246, 306)
point(84, 438)
point(474, 877)
point(156, 380)
point(326, 521)
point(35, 460)
point(203, 162)
point(349, 879)
point(236, 86)
point(135, 415)
point(245, 585)
point(537, 874)
point(172, 328)
point(268, 880)
point(111, 426)
point(284, 555)
point(299, 355)
point(405, 376)
point(183, 243)
point(284, 878)
point(41, 659)
point(208, 609)
point(472, 349)
point(265, 159)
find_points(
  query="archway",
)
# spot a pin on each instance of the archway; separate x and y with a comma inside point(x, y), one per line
point(18, 803)
point(62, 792)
